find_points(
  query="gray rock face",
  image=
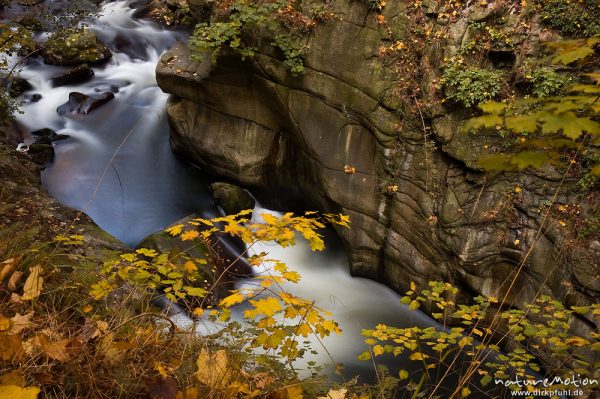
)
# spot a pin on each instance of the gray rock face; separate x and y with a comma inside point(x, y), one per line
point(419, 207)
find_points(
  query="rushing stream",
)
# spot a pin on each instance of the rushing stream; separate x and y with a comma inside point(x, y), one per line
point(117, 166)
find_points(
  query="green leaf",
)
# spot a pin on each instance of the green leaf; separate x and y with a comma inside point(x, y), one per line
point(571, 125)
point(196, 291)
point(485, 121)
point(485, 380)
point(527, 159)
point(413, 305)
point(492, 107)
point(494, 162)
point(577, 54)
point(523, 123)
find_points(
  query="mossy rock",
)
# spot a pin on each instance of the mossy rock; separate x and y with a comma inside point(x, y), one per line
point(74, 47)
point(232, 199)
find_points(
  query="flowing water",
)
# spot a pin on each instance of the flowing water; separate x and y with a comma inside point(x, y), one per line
point(117, 166)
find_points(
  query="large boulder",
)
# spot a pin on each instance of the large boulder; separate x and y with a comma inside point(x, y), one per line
point(74, 47)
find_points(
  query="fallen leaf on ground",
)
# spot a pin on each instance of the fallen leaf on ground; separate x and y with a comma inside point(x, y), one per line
point(15, 377)
point(15, 392)
point(10, 347)
point(13, 280)
point(56, 350)
point(293, 392)
point(212, 369)
point(335, 394)
point(33, 284)
point(6, 268)
point(20, 322)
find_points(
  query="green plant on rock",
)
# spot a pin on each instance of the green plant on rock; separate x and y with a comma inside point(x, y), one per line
point(14, 40)
point(249, 24)
point(571, 18)
point(469, 85)
point(545, 81)
point(541, 330)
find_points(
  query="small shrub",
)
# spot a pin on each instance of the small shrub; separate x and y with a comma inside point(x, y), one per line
point(469, 85)
point(571, 18)
point(251, 22)
point(545, 81)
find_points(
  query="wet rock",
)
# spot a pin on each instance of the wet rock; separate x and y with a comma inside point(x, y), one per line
point(232, 199)
point(73, 47)
point(15, 85)
point(80, 103)
point(134, 49)
point(41, 153)
point(48, 135)
point(45, 132)
point(169, 12)
point(31, 98)
point(79, 74)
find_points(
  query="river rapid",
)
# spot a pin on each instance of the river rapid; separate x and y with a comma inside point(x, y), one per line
point(117, 166)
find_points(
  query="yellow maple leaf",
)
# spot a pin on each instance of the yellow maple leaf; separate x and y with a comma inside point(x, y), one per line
point(235, 298)
point(198, 312)
point(4, 323)
point(175, 230)
point(418, 356)
point(294, 277)
point(189, 235)
point(190, 266)
point(268, 307)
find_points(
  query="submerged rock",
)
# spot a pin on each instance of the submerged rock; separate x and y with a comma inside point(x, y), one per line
point(73, 47)
point(41, 153)
point(48, 134)
point(232, 199)
point(79, 74)
point(80, 103)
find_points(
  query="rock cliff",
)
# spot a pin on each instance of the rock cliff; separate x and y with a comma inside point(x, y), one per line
point(352, 135)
